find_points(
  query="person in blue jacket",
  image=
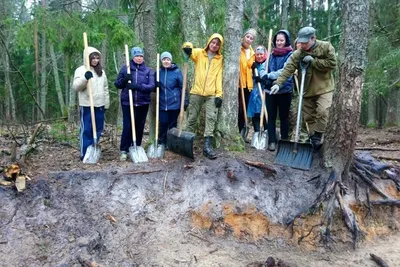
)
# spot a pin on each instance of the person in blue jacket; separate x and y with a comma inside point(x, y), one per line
point(142, 84)
point(281, 100)
point(254, 107)
point(170, 86)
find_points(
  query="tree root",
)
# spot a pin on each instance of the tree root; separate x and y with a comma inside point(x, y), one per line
point(387, 202)
point(267, 170)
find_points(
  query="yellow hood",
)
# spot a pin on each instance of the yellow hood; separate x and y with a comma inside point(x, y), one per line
point(215, 35)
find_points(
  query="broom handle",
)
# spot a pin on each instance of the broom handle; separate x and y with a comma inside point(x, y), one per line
point(185, 71)
point(128, 71)
point(157, 97)
point(90, 89)
point(243, 100)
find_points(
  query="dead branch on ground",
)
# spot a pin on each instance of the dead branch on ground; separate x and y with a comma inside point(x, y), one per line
point(141, 172)
point(377, 148)
point(267, 170)
point(378, 260)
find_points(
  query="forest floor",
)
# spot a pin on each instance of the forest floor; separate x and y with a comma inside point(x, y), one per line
point(180, 212)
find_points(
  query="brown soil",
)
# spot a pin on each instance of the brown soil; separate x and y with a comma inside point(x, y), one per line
point(182, 212)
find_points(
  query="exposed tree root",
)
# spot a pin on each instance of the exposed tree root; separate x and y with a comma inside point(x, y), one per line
point(363, 168)
point(377, 148)
point(267, 170)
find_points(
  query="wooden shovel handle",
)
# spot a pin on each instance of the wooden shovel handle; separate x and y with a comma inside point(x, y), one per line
point(242, 98)
point(181, 114)
point(128, 70)
point(157, 98)
point(89, 88)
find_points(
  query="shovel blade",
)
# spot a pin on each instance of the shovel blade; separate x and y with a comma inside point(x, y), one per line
point(92, 154)
point(259, 140)
point(153, 152)
point(181, 144)
point(295, 155)
point(245, 132)
point(138, 154)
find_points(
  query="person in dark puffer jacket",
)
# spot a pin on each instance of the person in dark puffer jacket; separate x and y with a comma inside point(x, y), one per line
point(170, 85)
point(142, 84)
point(280, 101)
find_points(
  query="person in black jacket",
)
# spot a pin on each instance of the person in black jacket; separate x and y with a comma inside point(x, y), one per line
point(281, 100)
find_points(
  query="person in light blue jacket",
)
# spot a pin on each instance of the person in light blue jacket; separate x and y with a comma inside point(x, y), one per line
point(170, 86)
point(254, 107)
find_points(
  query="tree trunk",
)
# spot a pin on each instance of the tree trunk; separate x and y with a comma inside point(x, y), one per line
point(57, 80)
point(393, 98)
point(73, 116)
point(228, 113)
point(304, 12)
point(341, 133)
point(371, 121)
point(285, 6)
point(10, 104)
point(255, 8)
point(149, 38)
point(35, 116)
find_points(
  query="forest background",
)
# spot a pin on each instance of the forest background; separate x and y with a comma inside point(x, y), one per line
point(42, 45)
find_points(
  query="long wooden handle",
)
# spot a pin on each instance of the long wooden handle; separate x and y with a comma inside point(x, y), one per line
point(243, 99)
point(157, 97)
point(185, 71)
point(128, 70)
point(90, 89)
point(262, 95)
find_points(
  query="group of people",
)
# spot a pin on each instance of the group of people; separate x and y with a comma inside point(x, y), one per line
point(277, 84)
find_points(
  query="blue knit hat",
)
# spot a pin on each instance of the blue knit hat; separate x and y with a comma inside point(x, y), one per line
point(166, 55)
point(137, 51)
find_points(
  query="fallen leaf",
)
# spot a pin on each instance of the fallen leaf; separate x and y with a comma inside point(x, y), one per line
point(20, 183)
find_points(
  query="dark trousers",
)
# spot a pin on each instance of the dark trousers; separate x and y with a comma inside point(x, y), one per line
point(168, 120)
point(256, 122)
point(85, 132)
point(279, 102)
point(140, 121)
point(241, 112)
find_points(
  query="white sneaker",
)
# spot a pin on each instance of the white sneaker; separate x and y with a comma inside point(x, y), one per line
point(123, 157)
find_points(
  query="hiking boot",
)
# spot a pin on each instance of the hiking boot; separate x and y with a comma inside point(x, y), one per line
point(207, 150)
point(123, 157)
point(316, 140)
point(271, 146)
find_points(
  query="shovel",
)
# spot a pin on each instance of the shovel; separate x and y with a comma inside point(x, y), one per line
point(179, 141)
point(93, 152)
point(245, 131)
point(155, 150)
point(294, 154)
point(136, 153)
point(260, 139)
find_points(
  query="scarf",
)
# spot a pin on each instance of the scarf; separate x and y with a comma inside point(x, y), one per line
point(281, 51)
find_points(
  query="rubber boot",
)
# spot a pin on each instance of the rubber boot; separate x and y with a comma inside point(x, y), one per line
point(207, 150)
point(316, 140)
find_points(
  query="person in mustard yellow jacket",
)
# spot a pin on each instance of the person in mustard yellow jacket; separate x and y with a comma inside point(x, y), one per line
point(207, 88)
point(246, 75)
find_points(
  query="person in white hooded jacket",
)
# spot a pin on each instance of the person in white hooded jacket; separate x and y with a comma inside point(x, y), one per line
point(101, 98)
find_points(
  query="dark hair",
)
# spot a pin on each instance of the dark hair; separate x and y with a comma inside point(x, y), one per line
point(98, 68)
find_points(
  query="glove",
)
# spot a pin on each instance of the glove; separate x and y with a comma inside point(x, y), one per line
point(88, 75)
point(158, 84)
point(274, 89)
point(127, 77)
point(218, 102)
point(187, 51)
point(308, 59)
point(257, 79)
point(254, 66)
point(185, 107)
point(132, 86)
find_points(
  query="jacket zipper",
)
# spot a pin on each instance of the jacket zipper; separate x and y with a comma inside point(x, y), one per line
point(136, 84)
point(208, 69)
point(165, 90)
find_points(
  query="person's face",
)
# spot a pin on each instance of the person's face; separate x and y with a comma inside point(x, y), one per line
point(248, 39)
point(138, 59)
point(307, 46)
point(166, 62)
point(259, 56)
point(214, 45)
point(94, 61)
point(280, 41)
